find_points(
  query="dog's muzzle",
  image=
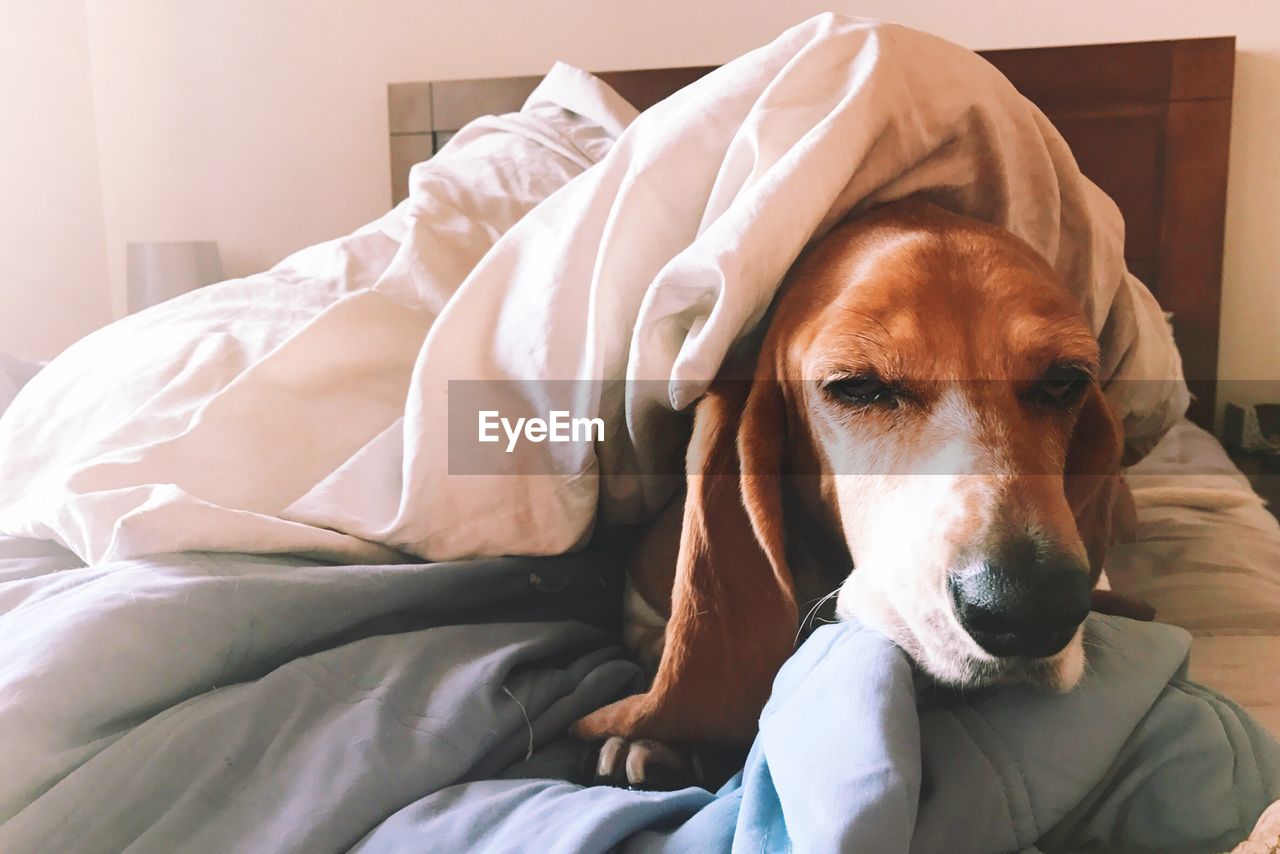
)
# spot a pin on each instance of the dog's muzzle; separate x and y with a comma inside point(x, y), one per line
point(1024, 608)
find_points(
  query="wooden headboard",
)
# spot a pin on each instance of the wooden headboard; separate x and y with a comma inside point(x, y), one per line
point(1149, 122)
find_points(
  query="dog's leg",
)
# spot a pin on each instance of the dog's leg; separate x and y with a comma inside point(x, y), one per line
point(731, 628)
point(733, 611)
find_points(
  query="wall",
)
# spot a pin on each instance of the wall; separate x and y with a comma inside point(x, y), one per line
point(52, 254)
point(263, 125)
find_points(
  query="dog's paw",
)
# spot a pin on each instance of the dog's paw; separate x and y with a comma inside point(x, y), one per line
point(643, 764)
point(631, 716)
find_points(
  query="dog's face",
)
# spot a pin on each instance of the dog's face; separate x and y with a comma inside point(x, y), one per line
point(940, 376)
point(926, 393)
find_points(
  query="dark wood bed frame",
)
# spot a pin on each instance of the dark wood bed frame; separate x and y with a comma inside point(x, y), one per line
point(1149, 122)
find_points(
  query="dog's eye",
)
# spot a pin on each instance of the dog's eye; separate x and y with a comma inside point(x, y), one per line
point(1062, 385)
point(862, 390)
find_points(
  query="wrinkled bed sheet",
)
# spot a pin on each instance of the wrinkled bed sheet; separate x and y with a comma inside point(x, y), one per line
point(224, 702)
point(1208, 559)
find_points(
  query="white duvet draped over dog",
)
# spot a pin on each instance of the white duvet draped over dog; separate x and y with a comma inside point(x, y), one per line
point(305, 409)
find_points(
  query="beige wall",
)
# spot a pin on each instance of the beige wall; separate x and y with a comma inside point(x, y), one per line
point(52, 255)
point(262, 124)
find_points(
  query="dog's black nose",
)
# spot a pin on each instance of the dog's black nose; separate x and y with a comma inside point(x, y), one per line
point(1028, 608)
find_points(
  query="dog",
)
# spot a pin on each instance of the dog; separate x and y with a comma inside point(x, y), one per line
point(922, 432)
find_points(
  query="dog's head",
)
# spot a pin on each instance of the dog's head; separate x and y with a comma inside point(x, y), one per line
point(931, 389)
point(926, 391)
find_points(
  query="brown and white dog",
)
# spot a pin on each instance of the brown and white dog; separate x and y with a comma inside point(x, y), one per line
point(924, 410)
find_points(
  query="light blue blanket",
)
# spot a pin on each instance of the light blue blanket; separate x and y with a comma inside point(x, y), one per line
point(227, 703)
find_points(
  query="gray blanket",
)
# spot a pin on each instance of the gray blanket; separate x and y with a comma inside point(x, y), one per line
point(227, 703)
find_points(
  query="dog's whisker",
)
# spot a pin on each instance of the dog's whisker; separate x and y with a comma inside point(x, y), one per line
point(1102, 645)
point(808, 617)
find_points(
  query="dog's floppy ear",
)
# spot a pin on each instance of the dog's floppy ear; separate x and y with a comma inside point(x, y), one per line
point(733, 609)
point(1099, 498)
point(1092, 475)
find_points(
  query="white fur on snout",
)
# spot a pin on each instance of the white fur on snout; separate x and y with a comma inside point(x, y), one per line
point(1069, 664)
point(913, 526)
point(912, 530)
point(911, 516)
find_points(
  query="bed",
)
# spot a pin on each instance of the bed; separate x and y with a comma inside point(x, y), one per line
point(1150, 123)
point(214, 700)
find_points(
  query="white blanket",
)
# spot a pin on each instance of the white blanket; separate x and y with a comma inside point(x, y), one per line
point(307, 409)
